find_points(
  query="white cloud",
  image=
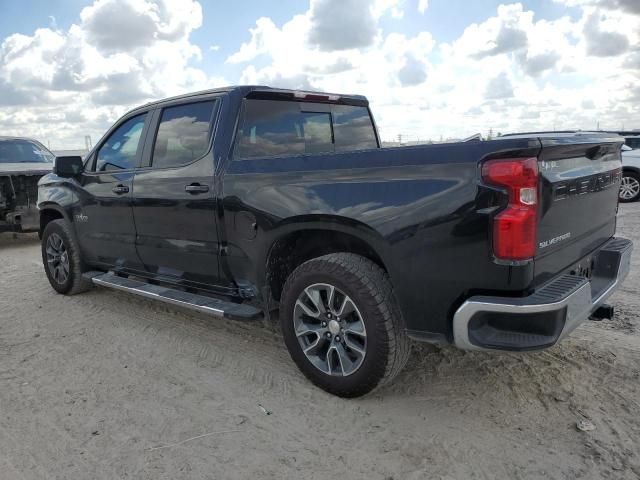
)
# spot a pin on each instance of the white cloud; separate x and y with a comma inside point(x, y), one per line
point(397, 13)
point(121, 53)
point(413, 72)
point(504, 33)
point(117, 25)
point(341, 25)
point(534, 65)
point(381, 7)
point(499, 87)
point(265, 36)
point(602, 43)
point(627, 6)
point(511, 71)
point(293, 62)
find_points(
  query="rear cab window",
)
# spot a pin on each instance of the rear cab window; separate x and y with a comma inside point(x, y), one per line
point(353, 128)
point(270, 128)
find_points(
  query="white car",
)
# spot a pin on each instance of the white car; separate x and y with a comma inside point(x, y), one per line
point(630, 185)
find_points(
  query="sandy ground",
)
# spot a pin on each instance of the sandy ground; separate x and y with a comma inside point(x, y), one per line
point(105, 385)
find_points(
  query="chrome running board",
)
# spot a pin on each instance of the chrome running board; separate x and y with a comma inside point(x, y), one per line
point(192, 301)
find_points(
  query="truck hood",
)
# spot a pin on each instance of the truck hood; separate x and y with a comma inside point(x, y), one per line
point(25, 168)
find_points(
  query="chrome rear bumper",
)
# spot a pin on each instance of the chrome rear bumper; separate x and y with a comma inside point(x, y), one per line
point(548, 315)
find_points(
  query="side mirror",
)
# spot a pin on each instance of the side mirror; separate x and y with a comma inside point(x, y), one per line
point(67, 167)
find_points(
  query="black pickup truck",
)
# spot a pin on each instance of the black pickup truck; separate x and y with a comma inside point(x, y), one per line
point(242, 201)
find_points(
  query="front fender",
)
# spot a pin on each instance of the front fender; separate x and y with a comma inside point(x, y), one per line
point(54, 190)
point(56, 194)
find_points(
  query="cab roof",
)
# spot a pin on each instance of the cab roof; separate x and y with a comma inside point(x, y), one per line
point(263, 91)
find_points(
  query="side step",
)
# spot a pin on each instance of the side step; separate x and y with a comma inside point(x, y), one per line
point(192, 301)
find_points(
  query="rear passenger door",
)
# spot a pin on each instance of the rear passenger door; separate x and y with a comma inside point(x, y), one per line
point(173, 196)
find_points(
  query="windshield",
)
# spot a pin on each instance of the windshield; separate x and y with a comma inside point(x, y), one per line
point(23, 151)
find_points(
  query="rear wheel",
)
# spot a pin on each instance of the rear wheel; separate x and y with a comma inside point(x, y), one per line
point(61, 259)
point(342, 325)
point(629, 187)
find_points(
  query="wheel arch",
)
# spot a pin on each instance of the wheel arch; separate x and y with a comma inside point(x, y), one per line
point(635, 170)
point(50, 212)
point(302, 241)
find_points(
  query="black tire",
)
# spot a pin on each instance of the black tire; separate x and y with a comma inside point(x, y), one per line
point(387, 344)
point(74, 282)
point(634, 180)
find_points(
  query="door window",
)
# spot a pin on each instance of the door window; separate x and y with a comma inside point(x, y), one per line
point(269, 129)
point(273, 128)
point(120, 149)
point(183, 135)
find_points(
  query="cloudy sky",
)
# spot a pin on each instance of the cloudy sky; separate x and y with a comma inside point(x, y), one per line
point(431, 68)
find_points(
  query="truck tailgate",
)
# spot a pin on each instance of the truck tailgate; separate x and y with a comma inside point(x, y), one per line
point(579, 182)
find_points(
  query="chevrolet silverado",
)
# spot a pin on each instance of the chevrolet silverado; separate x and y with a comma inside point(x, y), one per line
point(244, 201)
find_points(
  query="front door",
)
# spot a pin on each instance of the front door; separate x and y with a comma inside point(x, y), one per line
point(174, 204)
point(103, 215)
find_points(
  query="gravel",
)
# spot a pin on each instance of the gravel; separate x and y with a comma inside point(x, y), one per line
point(105, 385)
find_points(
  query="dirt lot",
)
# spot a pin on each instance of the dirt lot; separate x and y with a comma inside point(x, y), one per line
point(105, 385)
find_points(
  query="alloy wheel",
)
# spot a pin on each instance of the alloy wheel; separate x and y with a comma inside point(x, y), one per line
point(629, 188)
point(57, 258)
point(330, 329)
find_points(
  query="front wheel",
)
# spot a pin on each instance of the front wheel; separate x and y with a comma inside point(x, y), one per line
point(342, 325)
point(629, 187)
point(61, 259)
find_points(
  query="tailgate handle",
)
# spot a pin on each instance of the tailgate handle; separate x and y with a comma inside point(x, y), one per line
point(119, 189)
point(196, 188)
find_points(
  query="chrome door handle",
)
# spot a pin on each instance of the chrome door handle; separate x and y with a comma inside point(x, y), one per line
point(119, 189)
point(196, 188)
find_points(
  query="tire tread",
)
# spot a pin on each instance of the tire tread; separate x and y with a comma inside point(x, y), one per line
point(373, 287)
point(79, 284)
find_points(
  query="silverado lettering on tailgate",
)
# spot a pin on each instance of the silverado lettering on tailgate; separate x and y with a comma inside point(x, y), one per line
point(584, 185)
point(554, 240)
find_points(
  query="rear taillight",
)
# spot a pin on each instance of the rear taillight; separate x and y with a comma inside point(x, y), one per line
point(515, 228)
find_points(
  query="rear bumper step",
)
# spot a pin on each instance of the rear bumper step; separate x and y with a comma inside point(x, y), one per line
point(192, 301)
point(547, 316)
